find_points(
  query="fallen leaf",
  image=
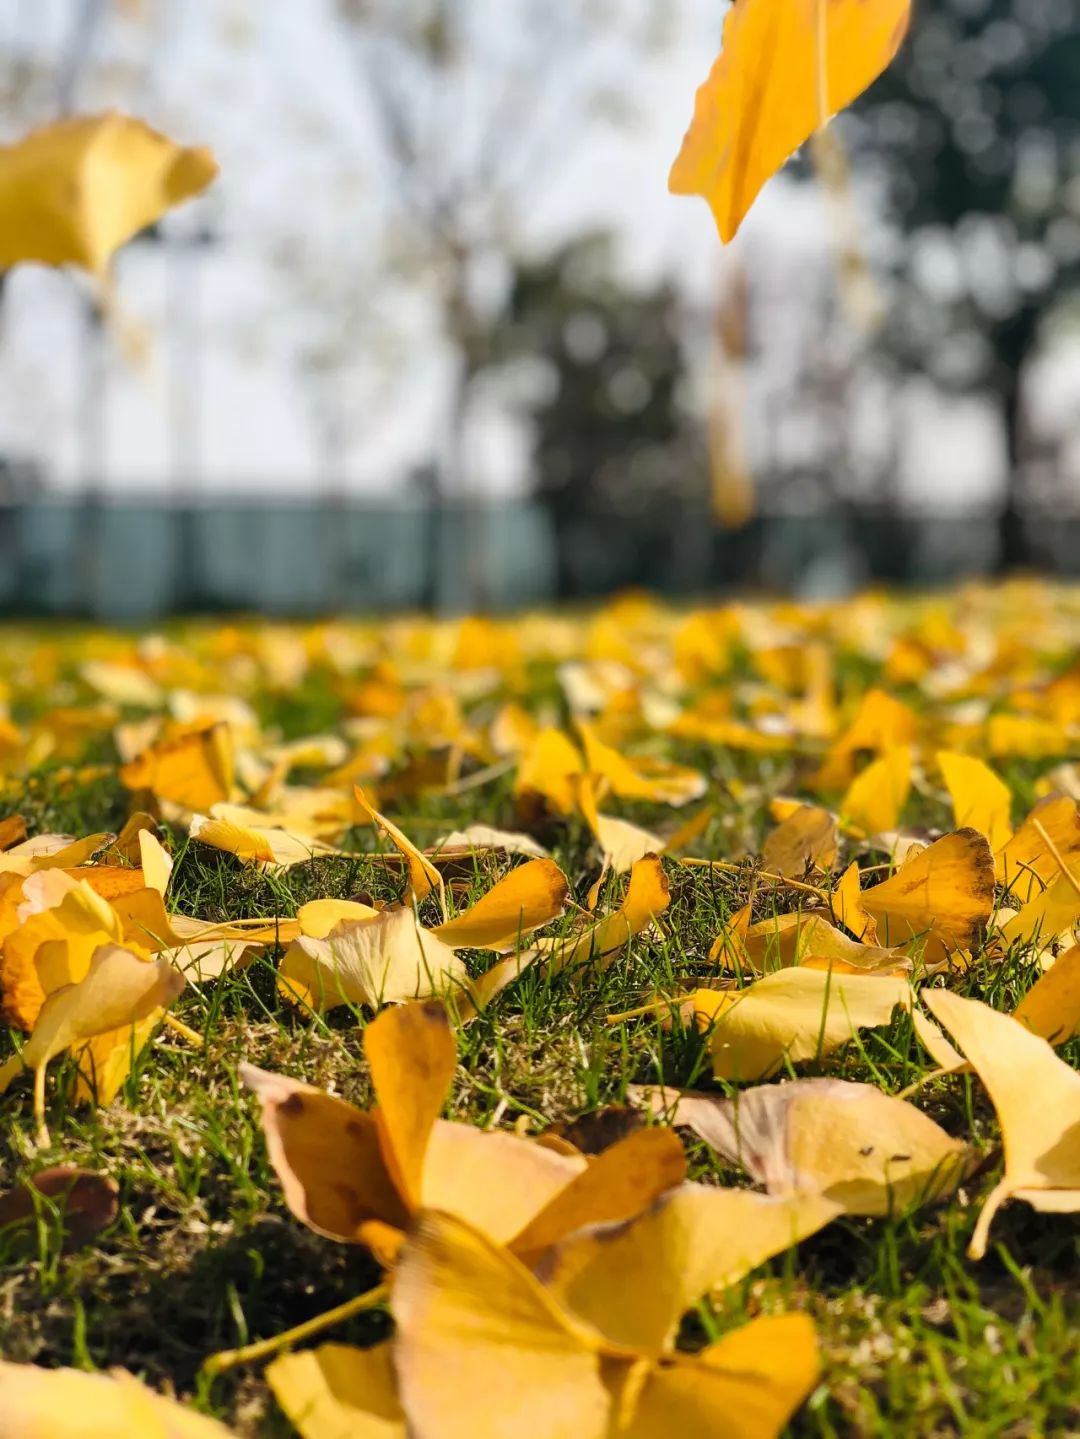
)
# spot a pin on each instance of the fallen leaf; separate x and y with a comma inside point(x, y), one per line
point(866, 1152)
point(980, 800)
point(471, 1320)
point(806, 839)
point(940, 901)
point(1037, 1099)
point(83, 1201)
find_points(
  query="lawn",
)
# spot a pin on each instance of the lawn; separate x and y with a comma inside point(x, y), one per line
point(442, 726)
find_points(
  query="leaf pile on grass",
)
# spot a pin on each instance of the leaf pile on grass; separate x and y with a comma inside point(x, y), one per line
point(640, 1013)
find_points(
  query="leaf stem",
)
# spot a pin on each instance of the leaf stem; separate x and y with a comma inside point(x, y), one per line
point(265, 1348)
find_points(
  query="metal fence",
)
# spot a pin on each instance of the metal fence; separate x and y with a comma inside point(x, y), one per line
point(129, 562)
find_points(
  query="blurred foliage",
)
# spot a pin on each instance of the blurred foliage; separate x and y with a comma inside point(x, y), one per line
point(975, 134)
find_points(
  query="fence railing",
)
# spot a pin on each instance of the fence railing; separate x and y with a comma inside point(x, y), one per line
point(137, 560)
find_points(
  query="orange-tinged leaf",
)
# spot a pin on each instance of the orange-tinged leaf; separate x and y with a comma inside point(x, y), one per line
point(413, 1059)
point(327, 1155)
point(69, 929)
point(940, 901)
point(531, 895)
point(548, 770)
point(786, 67)
point(846, 904)
point(619, 1183)
point(194, 770)
point(806, 839)
point(73, 192)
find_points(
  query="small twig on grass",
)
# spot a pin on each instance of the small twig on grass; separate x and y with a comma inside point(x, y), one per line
point(263, 1348)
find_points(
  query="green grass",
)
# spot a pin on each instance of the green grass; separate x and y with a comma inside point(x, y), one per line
point(204, 1255)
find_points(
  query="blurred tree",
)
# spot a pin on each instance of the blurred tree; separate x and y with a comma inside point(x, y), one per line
point(599, 370)
point(978, 126)
point(479, 106)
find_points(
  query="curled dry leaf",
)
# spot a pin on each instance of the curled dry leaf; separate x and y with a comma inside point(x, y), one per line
point(864, 1150)
point(648, 894)
point(84, 1202)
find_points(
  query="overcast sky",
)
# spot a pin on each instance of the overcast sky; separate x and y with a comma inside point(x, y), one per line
point(273, 89)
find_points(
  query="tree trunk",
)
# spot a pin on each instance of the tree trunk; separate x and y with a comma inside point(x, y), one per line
point(1013, 343)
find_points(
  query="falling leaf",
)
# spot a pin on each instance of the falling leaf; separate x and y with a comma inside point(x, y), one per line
point(865, 1151)
point(940, 901)
point(1037, 1099)
point(785, 69)
point(73, 192)
point(547, 773)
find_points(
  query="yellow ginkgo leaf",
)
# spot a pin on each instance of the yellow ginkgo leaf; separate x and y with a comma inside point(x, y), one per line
point(794, 1015)
point(357, 1177)
point(865, 1151)
point(692, 1242)
point(1049, 913)
point(193, 770)
point(482, 1350)
point(529, 896)
point(806, 839)
point(382, 960)
point(940, 901)
point(786, 67)
point(846, 904)
point(69, 917)
point(650, 780)
point(877, 795)
point(38, 1403)
point(1037, 1099)
point(265, 846)
point(73, 192)
point(799, 938)
point(424, 878)
point(319, 916)
point(548, 772)
point(1027, 862)
point(980, 800)
point(339, 1392)
point(120, 989)
point(647, 895)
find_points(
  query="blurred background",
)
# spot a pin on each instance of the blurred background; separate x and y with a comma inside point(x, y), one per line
point(439, 337)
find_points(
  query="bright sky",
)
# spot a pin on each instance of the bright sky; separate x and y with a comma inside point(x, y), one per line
point(274, 91)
